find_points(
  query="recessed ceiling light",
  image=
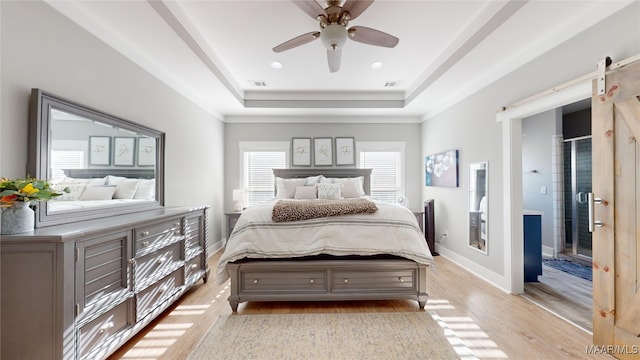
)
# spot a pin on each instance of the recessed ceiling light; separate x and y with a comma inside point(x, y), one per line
point(276, 65)
point(376, 65)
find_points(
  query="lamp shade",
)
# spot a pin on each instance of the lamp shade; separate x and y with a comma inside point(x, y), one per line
point(238, 194)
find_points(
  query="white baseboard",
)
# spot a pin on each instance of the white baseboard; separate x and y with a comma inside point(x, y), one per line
point(547, 252)
point(489, 276)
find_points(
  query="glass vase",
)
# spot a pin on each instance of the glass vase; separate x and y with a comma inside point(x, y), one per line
point(18, 218)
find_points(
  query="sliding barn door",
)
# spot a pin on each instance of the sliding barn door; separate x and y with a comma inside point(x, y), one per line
point(616, 183)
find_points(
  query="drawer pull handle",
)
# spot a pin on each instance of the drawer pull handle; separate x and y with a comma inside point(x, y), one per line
point(193, 266)
point(161, 260)
point(104, 328)
point(312, 281)
point(144, 233)
point(401, 279)
point(177, 233)
point(346, 280)
point(255, 281)
point(145, 243)
point(163, 289)
point(176, 224)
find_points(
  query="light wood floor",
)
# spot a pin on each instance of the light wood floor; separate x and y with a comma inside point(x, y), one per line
point(566, 295)
point(489, 323)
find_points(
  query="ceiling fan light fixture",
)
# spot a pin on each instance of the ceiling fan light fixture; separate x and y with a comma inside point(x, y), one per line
point(333, 36)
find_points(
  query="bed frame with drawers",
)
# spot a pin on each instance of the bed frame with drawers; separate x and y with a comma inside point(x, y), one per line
point(327, 278)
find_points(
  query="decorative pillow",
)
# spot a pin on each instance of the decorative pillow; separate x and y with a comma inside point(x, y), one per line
point(351, 187)
point(90, 182)
point(146, 190)
point(114, 180)
point(286, 188)
point(306, 192)
point(125, 189)
point(329, 191)
point(312, 180)
point(326, 180)
point(98, 193)
point(75, 190)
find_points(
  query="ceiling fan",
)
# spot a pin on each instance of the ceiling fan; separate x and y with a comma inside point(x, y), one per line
point(333, 28)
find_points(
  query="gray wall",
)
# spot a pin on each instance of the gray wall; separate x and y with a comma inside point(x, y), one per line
point(43, 49)
point(409, 133)
point(537, 132)
point(471, 127)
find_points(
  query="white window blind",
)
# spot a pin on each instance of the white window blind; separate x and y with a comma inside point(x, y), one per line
point(258, 162)
point(386, 161)
point(65, 159)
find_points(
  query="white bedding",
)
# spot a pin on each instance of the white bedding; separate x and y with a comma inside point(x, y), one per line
point(391, 230)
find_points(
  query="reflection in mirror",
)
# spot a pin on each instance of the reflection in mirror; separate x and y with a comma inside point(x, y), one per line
point(478, 205)
point(111, 166)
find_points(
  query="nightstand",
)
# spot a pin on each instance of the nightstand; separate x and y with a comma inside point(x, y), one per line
point(232, 218)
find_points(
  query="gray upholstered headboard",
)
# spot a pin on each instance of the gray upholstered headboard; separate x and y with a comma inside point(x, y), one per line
point(102, 172)
point(330, 173)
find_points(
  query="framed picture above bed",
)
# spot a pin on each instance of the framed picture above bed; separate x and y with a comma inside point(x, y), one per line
point(146, 151)
point(345, 151)
point(99, 150)
point(301, 152)
point(123, 151)
point(323, 151)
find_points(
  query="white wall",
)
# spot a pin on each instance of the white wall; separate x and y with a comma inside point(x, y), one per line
point(537, 132)
point(471, 127)
point(43, 49)
point(409, 133)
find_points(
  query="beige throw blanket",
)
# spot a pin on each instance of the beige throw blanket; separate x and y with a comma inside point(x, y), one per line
point(296, 210)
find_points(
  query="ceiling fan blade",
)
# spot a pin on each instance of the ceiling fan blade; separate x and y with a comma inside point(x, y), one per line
point(371, 36)
point(356, 7)
point(310, 7)
point(334, 59)
point(297, 41)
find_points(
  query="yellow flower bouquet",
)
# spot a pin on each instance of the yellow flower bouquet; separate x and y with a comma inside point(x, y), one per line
point(25, 190)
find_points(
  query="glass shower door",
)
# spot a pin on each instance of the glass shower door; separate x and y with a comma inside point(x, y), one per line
point(577, 186)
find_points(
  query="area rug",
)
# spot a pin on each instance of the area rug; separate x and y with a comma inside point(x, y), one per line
point(569, 267)
point(413, 335)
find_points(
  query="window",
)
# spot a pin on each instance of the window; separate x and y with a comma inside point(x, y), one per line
point(257, 161)
point(386, 159)
point(67, 154)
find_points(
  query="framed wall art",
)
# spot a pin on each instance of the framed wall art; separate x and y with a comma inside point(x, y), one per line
point(442, 169)
point(301, 152)
point(123, 151)
point(323, 151)
point(146, 151)
point(99, 150)
point(345, 151)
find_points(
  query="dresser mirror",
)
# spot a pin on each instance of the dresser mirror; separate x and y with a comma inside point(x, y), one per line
point(110, 165)
point(478, 205)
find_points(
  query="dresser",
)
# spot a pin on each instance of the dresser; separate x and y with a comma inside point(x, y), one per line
point(80, 291)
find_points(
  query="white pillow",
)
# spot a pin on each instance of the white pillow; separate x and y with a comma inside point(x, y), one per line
point(325, 180)
point(286, 188)
point(305, 192)
point(329, 191)
point(312, 180)
point(98, 193)
point(146, 190)
point(125, 189)
point(75, 190)
point(114, 180)
point(90, 182)
point(351, 187)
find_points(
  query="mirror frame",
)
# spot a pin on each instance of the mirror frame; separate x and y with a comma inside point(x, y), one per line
point(475, 216)
point(38, 160)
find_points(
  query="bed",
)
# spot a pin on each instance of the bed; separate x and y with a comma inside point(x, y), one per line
point(379, 256)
